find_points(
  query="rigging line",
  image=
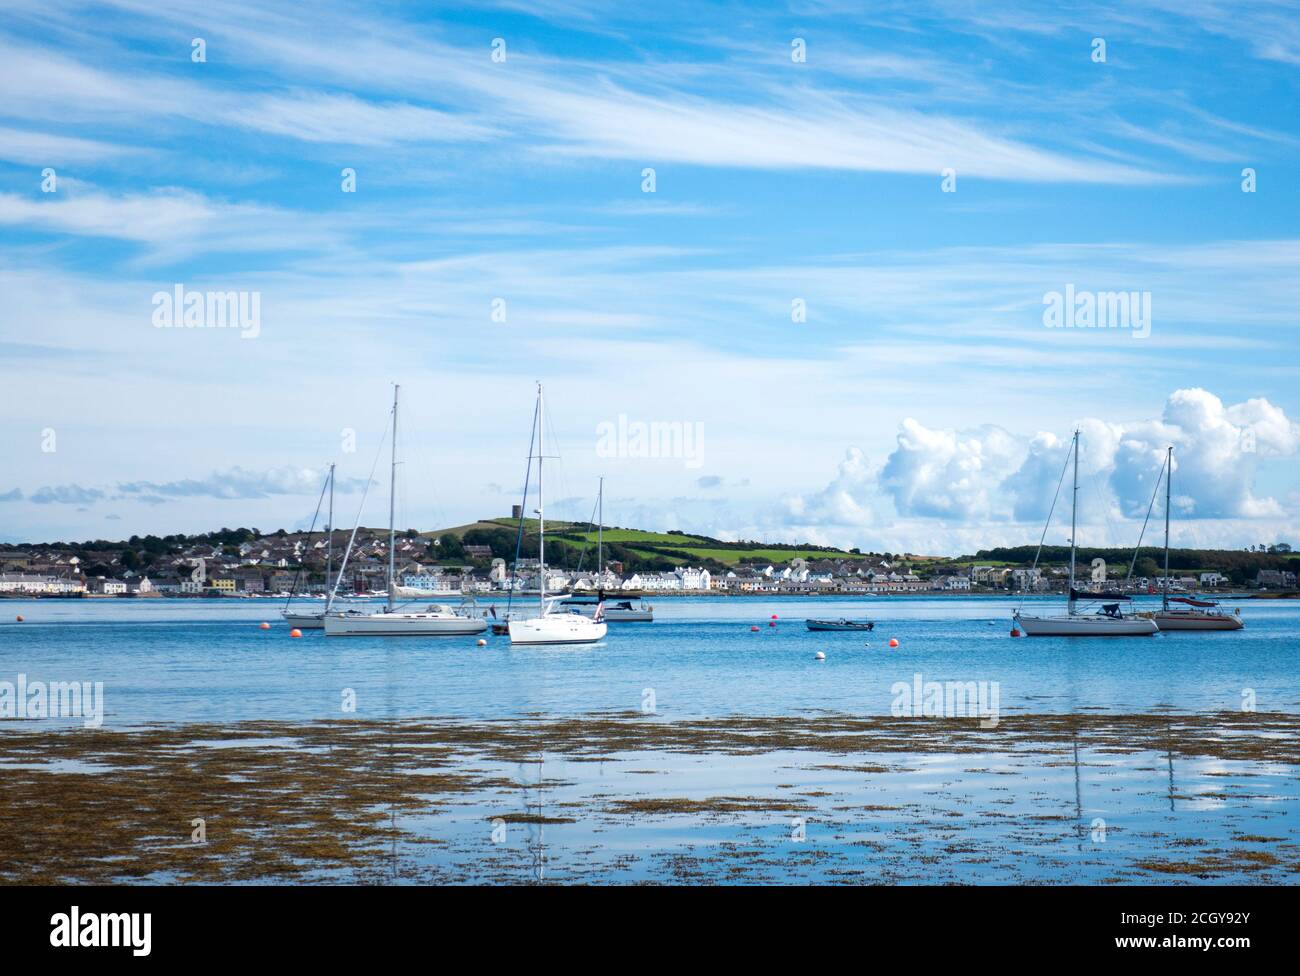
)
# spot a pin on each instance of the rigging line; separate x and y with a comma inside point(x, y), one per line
point(294, 588)
point(586, 536)
point(1059, 481)
point(360, 508)
point(523, 512)
point(1155, 491)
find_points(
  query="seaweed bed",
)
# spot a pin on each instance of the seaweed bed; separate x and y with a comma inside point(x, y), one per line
point(284, 801)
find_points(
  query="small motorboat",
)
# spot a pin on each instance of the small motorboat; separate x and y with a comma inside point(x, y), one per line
point(842, 624)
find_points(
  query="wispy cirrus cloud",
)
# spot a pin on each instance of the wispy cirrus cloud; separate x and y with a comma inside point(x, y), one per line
point(33, 148)
point(586, 109)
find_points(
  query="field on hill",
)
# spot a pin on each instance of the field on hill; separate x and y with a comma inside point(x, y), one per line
point(732, 557)
point(655, 547)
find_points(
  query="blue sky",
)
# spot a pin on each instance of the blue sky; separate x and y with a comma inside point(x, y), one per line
point(921, 403)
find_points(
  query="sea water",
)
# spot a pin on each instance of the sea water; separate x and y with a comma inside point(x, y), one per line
point(1051, 815)
point(182, 660)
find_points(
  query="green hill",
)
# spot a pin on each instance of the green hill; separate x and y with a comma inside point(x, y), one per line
point(569, 544)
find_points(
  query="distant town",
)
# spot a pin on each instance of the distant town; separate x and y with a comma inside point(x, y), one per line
point(496, 556)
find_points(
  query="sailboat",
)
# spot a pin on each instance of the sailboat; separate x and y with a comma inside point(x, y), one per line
point(1108, 620)
point(315, 619)
point(1185, 612)
point(437, 620)
point(552, 625)
point(621, 611)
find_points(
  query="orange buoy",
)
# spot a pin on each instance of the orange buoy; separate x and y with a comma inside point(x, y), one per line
point(20, 618)
point(893, 642)
point(753, 629)
point(482, 642)
point(295, 632)
point(263, 626)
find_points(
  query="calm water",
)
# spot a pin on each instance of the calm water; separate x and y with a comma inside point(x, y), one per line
point(206, 660)
point(1006, 815)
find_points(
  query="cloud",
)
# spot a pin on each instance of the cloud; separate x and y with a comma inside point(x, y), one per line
point(978, 477)
point(845, 501)
point(708, 481)
point(65, 495)
point(945, 474)
point(809, 131)
point(348, 120)
point(240, 483)
point(170, 221)
point(11, 496)
point(729, 114)
point(46, 149)
point(1217, 450)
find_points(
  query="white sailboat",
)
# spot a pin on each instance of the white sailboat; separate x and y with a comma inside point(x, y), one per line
point(552, 625)
point(315, 619)
point(1108, 620)
point(1184, 612)
point(620, 611)
point(436, 620)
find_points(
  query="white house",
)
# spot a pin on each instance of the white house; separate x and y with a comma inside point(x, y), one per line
point(952, 583)
point(693, 579)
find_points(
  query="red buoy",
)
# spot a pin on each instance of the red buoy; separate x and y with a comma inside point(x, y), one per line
point(1015, 631)
point(753, 629)
point(893, 642)
point(20, 619)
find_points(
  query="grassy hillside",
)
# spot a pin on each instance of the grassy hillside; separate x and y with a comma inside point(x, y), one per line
point(637, 549)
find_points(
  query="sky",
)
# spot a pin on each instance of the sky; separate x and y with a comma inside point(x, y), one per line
point(825, 253)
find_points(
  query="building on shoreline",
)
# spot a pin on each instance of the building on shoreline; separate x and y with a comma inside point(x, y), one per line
point(42, 585)
point(282, 563)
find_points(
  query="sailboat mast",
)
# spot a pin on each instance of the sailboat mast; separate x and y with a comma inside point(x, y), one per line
point(541, 503)
point(1169, 475)
point(600, 531)
point(1074, 514)
point(392, 509)
point(329, 537)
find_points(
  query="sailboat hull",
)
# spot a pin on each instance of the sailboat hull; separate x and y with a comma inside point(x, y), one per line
point(1085, 625)
point(1174, 620)
point(557, 628)
point(304, 620)
point(403, 625)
